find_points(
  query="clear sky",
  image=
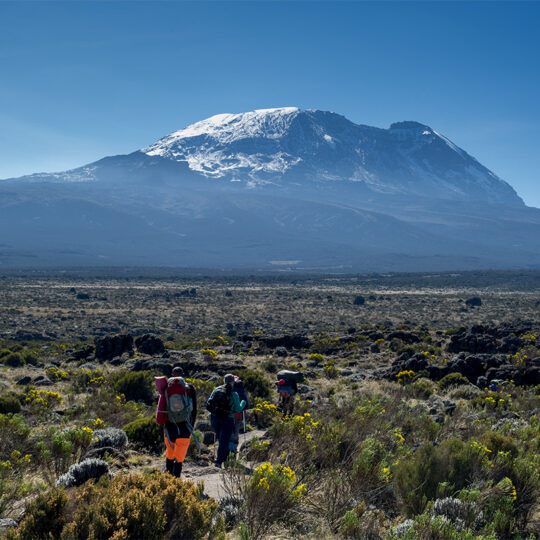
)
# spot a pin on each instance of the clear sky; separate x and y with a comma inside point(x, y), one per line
point(82, 80)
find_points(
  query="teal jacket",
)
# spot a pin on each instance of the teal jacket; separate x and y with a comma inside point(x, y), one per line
point(236, 404)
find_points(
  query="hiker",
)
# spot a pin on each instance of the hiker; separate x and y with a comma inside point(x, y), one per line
point(177, 412)
point(287, 388)
point(239, 417)
point(222, 404)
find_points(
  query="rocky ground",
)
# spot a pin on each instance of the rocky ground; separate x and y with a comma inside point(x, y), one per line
point(79, 353)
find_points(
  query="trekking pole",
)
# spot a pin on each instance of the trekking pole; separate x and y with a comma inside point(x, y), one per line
point(244, 420)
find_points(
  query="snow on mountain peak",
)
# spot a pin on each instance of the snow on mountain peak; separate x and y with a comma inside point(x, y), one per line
point(229, 127)
point(269, 145)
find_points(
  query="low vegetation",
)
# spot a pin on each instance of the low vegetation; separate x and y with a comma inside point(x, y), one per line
point(418, 417)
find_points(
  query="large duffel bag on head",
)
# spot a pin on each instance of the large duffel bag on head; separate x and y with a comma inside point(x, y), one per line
point(290, 376)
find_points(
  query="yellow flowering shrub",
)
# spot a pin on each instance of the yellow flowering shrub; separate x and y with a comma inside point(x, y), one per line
point(42, 401)
point(209, 353)
point(152, 506)
point(404, 377)
point(266, 413)
point(272, 494)
point(56, 374)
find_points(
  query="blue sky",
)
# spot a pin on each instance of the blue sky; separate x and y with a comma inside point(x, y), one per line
point(82, 80)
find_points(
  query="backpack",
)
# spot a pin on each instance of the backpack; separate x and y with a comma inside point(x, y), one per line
point(284, 388)
point(219, 403)
point(179, 403)
point(291, 376)
point(179, 406)
point(239, 388)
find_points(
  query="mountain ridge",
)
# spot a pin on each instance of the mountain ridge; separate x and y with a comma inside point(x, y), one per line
point(304, 187)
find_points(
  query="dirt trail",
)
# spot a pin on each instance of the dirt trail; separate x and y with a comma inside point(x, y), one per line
point(210, 474)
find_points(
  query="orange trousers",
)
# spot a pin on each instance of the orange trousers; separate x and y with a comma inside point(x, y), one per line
point(177, 449)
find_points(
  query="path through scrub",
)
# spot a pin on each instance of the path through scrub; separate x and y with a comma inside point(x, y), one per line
point(209, 474)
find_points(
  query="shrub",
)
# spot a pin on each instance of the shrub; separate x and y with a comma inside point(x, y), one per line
point(497, 442)
point(270, 366)
point(316, 357)
point(421, 388)
point(84, 379)
point(13, 435)
point(330, 370)
point(146, 433)
point(272, 494)
point(56, 374)
point(9, 404)
point(255, 383)
point(417, 478)
point(57, 450)
point(462, 514)
point(146, 507)
point(135, 386)
point(44, 517)
point(113, 437)
point(428, 527)
point(362, 525)
point(112, 408)
point(452, 379)
point(405, 377)
point(80, 473)
point(42, 401)
point(265, 413)
point(13, 360)
point(30, 358)
point(12, 485)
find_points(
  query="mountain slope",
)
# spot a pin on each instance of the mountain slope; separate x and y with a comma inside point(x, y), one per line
point(271, 145)
point(271, 189)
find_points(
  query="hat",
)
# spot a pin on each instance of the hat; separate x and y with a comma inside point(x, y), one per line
point(229, 378)
point(177, 371)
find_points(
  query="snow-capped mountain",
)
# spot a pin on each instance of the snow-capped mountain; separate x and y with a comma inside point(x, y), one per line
point(258, 189)
point(293, 145)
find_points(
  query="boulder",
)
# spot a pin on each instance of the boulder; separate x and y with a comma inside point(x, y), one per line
point(41, 380)
point(532, 376)
point(109, 347)
point(406, 337)
point(7, 523)
point(473, 343)
point(505, 372)
point(82, 354)
point(289, 341)
point(24, 381)
point(474, 301)
point(149, 344)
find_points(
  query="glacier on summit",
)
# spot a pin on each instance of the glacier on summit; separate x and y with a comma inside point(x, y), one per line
point(290, 144)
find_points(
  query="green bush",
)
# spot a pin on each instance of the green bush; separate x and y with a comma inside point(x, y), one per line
point(13, 360)
point(452, 379)
point(146, 433)
point(135, 387)
point(30, 358)
point(497, 442)
point(44, 517)
point(148, 506)
point(13, 435)
point(9, 404)
point(255, 383)
point(417, 478)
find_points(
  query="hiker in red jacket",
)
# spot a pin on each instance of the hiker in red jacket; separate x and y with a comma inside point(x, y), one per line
point(177, 412)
